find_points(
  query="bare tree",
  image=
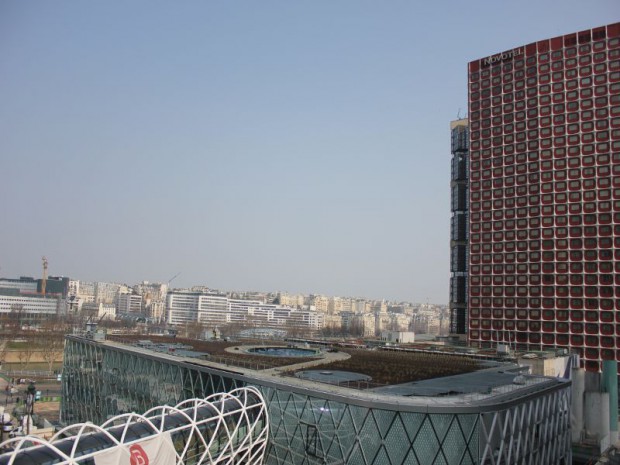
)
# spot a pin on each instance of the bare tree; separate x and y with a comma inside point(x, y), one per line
point(5, 320)
point(27, 350)
point(356, 328)
point(16, 317)
point(52, 347)
point(229, 329)
point(297, 329)
point(195, 330)
point(51, 340)
point(4, 347)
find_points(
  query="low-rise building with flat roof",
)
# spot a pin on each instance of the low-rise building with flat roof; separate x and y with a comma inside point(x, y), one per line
point(496, 414)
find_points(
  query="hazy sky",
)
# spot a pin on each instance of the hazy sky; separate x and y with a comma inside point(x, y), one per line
point(300, 146)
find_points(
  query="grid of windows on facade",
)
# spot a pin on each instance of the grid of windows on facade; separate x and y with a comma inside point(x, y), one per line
point(458, 234)
point(545, 195)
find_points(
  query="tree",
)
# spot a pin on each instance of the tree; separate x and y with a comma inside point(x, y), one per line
point(52, 347)
point(27, 351)
point(297, 329)
point(331, 330)
point(356, 327)
point(232, 329)
point(4, 346)
point(55, 329)
point(16, 317)
point(195, 330)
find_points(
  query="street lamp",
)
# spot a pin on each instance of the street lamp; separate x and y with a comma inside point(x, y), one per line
point(31, 391)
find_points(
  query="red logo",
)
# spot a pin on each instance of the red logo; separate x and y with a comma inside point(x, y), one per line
point(137, 456)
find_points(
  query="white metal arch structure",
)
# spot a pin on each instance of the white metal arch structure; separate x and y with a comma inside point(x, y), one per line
point(224, 428)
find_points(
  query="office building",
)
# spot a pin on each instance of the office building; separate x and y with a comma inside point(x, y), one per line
point(544, 187)
point(29, 307)
point(21, 299)
point(459, 226)
point(57, 286)
point(487, 416)
point(23, 285)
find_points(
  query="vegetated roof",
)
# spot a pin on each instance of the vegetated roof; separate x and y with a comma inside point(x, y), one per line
point(216, 350)
point(383, 367)
point(386, 367)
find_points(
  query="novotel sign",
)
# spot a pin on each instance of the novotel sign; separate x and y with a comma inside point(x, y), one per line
point(500, 57)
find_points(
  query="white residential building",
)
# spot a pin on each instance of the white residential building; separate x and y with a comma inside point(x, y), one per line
point(382, 321)
point(366, 322)
point(129, 304)
point(73, 288)
point(348, 305)
point(399, 322)
point(361, 306)
point(153, 298)
point(379, 307)
point(107, 293)
point(100, 311)
point(335, 305)
point(210, 308)
point(86, 292)
point(320, 302)
point(398, 337)
point(291, 300)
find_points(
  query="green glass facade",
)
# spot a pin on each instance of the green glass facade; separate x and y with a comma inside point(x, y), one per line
point(314, 424)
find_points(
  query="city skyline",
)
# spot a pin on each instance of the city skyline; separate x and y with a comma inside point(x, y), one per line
point(294, 147)
point(32, 289)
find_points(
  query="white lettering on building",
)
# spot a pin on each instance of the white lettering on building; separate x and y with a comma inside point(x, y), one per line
point(499, 57)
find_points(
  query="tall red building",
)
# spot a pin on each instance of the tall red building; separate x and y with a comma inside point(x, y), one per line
point(544, 196)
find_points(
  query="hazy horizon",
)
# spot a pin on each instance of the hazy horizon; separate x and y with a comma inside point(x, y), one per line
point(293, 146)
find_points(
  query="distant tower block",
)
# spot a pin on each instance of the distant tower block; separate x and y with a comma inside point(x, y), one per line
point(44, 280)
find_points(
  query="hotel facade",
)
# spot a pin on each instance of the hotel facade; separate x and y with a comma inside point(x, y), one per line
point(544, 197)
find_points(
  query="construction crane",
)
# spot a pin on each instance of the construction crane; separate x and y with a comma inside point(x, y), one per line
point(44, 280)
point(172, 279)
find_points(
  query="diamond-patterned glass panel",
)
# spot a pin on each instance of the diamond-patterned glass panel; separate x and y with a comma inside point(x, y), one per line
point(455, 446)
point(369, 437)
point(359, 415)
point(357, 456)
point(441, 423)
point(313, 428)
point(384, 420)
point(382, 457)
point(413, 423)
point(426, 444)
point(394, 441)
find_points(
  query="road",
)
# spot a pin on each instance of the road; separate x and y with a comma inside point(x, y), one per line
point(48, 388)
